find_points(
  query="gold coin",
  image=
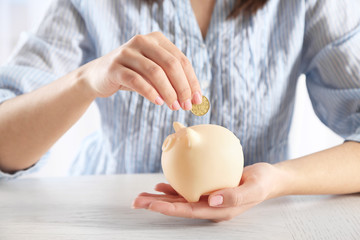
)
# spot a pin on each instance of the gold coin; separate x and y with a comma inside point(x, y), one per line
point(202, 108)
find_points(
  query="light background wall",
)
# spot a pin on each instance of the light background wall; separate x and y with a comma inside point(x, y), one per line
point(307, 135)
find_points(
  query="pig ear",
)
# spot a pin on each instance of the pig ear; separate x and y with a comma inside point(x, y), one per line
point(168, 143)
point(177, 126)
point(192, 137)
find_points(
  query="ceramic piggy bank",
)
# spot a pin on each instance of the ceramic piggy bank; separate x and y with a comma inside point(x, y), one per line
point(201, 159)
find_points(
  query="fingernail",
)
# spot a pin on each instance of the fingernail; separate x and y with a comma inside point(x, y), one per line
point(175, 106)
point(187, 105)
point(197, 98)
point(216, 200)
point(159, 101)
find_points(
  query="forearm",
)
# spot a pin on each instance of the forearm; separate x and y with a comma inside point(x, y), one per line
point(31, 123)
point(332, 171)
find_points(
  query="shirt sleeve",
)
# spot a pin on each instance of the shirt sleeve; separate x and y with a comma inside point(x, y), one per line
point(60, 44)
point(331, 62)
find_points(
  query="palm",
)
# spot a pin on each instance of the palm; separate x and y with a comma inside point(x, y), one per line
point(254, 188)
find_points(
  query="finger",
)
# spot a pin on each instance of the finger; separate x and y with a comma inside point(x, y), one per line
point(165, 188)
point(145, 199)
point(132, 80)
point(141, 202)
point(123, 88)
point(169, 197)
point(174, 71)
point(162, 196)
point(199, 210)
point(153, 73)
point(248, 193)
point(185, 63)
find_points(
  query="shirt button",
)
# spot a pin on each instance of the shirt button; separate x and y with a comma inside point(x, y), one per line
point(203, 45)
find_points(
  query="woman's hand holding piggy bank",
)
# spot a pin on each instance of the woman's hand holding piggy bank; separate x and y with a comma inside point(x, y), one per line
point(204, 166)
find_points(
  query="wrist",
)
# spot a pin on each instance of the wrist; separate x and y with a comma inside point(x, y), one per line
point(82, 84)
point(283, 181)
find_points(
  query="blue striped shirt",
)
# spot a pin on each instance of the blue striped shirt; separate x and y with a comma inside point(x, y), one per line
point(247, 67)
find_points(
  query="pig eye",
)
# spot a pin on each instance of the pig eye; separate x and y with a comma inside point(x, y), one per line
point(168, 143)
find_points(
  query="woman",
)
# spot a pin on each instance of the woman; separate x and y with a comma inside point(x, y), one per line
point(246, 56)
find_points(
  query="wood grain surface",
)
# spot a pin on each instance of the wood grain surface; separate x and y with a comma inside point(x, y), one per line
point(99, 207)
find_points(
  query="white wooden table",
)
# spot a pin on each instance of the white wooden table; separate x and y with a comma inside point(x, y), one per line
point(99, 207)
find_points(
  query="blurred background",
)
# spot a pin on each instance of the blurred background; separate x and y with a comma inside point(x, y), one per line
point(307, 135)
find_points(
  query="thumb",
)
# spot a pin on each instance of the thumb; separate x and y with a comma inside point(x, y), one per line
point(234, 197)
